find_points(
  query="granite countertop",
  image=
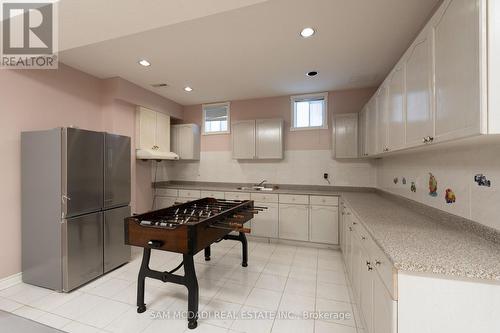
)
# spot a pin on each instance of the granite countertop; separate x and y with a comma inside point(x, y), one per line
point(417, 243)
point(414, 237)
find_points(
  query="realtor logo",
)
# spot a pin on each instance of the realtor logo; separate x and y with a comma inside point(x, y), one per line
point(29, 34)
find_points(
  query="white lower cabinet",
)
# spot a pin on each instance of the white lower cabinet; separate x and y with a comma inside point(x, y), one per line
point(324, 224)
point(347, 241)
point(294, 222)
point(301, 217)
point(184, 199)
point(265, 224)
point(377, 308)
point(366, 277)
point(212, 194)
point(384, 309)
point(355, 266)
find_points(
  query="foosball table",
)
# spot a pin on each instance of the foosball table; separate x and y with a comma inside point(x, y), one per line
point(187, 228)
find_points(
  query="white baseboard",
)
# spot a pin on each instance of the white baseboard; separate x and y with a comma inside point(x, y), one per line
point(10, 281)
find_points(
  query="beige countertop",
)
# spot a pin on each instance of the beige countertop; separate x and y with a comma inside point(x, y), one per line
point(414, 240)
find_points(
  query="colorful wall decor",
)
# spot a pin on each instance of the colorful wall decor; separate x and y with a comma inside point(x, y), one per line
point(432, 185)
point(395, 180)
point(450, 196)
point(481, 180)
point(413, 187)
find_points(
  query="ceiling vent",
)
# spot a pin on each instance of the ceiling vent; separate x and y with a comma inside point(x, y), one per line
point(159, 85)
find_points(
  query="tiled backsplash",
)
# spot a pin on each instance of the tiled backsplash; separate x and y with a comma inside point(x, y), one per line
point(453, 169)
point(304, 167)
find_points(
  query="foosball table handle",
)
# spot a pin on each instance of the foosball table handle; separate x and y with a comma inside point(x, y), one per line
point(244, 230)
point(155, 243)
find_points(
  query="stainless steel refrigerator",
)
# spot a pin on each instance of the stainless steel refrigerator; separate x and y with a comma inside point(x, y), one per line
point(75, 195)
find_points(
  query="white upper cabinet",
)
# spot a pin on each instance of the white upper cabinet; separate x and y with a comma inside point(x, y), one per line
point(146, 123)
point(152, 135)
point(371, 128)
point(243, 139)
point(419, 115)
point(396, 109)
point(257, 139)
point(185, 141)
point(381, 114)
point(345, 135)
point(444, 88)
point(362, 128)
point(162, 132)
point(457, 53)
point(269, 138)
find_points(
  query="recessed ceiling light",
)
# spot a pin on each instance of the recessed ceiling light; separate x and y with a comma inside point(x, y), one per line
point(312, 73)
point(144, 62)
point(188, 89)
point(307, 32)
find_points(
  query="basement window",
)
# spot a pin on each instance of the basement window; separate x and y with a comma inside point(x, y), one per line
point(309, 111)
point(216, 118)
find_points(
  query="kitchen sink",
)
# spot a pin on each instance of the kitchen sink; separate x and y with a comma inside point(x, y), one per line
point(257, 188)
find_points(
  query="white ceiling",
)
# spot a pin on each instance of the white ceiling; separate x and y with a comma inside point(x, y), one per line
point(256, 51)
point(84, 22)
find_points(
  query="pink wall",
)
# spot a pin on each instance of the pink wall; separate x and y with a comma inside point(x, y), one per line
point(42, 99)
point(120, 89)
point(342, 101)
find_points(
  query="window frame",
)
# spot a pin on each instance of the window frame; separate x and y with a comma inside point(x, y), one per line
point(203, 120)
point(297, 98)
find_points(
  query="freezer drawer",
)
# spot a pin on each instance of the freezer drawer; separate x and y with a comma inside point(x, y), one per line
point(83, 249)
point(116, 253)
point(117, 176)
point(84, 156)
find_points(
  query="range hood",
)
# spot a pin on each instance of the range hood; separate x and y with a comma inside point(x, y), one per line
point(152, 154)
point(153, 135)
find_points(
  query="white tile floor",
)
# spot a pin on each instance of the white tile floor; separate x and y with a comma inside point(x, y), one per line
point(279, 278)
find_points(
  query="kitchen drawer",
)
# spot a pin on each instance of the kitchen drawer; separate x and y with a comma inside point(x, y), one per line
point(164, 202)
point(385, 269)
point(324, 200)
point(190, 194)
point(294, 199)
point(264, 197)
point(184, 200)
point(167, 192)
point(377, 258)
point(212, 194)
point(237, 196)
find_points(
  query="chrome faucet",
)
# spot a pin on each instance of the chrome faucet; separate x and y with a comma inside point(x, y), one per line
point(261, 183)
